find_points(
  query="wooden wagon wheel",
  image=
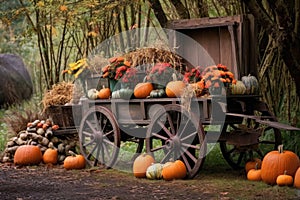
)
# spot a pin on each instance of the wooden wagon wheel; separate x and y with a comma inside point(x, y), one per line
point(99, 137)
point(270, 138)
point(174, 133)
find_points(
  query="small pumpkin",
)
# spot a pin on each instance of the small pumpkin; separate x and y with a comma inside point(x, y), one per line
point(74, 161)
point(158, 93)
point(28, 155)
point(276, 162)
point(154, 171)
point(284, 180)
point(174, 170)
point(104, 93)
point(143, 90)
point(251, 164)
point(92, 94)
point(50, 156)
point(238, 88)
point(251, 84)
point(297, 179)
point(254, 174)
point(140, 165)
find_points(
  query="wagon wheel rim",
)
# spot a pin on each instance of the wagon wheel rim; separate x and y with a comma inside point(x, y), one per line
point(269, 140)
point(99, 137)
point(174, 133)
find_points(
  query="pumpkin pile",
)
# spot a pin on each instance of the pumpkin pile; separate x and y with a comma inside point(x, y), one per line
point(280, 168)
point(144, 166)
point(39, 135)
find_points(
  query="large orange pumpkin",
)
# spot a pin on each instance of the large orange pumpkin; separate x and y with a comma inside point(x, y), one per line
point(140, 165)
point(276, 162)
point(142, 90)
point(175, 88)
point(28, 155)
point(297, 179)
point(50, 156)
point(74, 162)
point(174, 170)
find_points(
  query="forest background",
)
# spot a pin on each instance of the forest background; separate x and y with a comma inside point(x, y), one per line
point(50, 34)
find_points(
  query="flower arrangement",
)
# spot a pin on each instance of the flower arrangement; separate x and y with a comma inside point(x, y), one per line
point(193, 75)
point(116, 69)
point(129, 78)
point(160, 74)
point(217, 76)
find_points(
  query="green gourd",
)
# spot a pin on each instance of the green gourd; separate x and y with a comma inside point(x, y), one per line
point(154, 171)
point(251, 83)
point(158, 93)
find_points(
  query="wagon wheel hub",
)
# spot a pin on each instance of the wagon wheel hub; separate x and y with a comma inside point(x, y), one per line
point(99, 137)
point(173, 143)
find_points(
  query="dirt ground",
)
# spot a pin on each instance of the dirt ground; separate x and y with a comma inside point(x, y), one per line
point(48, 182)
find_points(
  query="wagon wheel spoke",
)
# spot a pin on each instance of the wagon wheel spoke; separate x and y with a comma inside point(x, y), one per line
point(177, 137)
point(97, 156)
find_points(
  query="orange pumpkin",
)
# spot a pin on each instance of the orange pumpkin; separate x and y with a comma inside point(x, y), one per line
point(74, 161)
point(174, 170)
point(252, 163)
point(50, 156)
point(142, 90)
point(254, 174)
point(104, 93)
point(297, 179)
point(284, 180)
point(276, 162)
point(140, 165)
point(175, 88)
point(28, 155)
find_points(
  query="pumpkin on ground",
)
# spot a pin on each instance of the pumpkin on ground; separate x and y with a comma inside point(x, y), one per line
point(251, 164)
point(276, 162)
point(74, 161)
point(284, 180)
point(140, 165)
point(143, 90)
point(104, 93)
point(254, 174)
point(28, 155)
point(154, 171)
point(251, 84)
point(50, 156)
point(297, 179)
point(174, 170)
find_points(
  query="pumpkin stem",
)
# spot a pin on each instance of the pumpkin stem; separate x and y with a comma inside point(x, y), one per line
point(256, 166)
point(280, 148)
point(174, 77)
point(72, 153)
point(285, 172)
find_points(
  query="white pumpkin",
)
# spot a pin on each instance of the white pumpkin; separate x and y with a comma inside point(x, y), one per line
point(92, 94)
point(154, 171)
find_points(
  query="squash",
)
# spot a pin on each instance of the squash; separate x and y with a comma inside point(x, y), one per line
point(276, 162)
point(104, 93)
point(124, 93)
point(251, 164)
point(238, 88)
point(158, 93)
point(141, 164)
point(174, 170)
point(74, 161)
point(284, 180)
point(254, 174)
point(142, 90)
point(154, 171)
point(175, 88)
point(50, 156)
point(297, 179)
point(251, 84)
point(28, 155)
point(92, 94)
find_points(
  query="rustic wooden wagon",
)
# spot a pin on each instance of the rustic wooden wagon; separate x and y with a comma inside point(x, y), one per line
point(243, 125)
